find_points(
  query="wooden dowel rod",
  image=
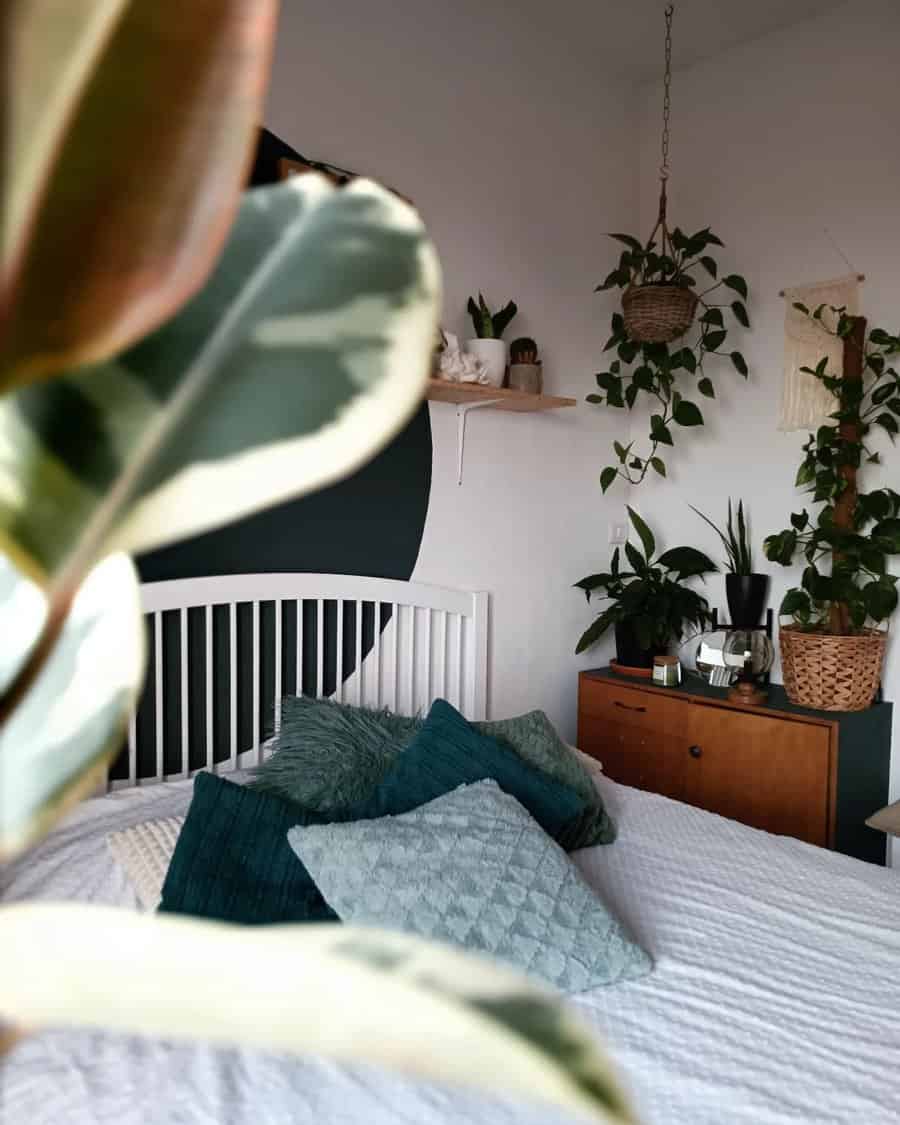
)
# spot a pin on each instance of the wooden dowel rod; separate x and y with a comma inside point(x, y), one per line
point(859, 277)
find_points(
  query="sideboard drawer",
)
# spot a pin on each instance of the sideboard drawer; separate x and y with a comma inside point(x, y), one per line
point(643, 759)
point(626, 706)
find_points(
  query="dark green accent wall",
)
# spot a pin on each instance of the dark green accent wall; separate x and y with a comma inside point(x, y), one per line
point(371, 523)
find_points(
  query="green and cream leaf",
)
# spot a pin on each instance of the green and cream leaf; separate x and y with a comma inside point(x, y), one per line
point(306, 351)
point(55, 745)
point(347, 993)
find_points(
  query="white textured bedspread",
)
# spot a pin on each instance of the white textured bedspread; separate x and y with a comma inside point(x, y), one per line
point(775, 996)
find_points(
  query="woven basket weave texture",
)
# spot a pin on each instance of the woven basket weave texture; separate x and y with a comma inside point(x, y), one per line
point(658, 314)
point(831, 673)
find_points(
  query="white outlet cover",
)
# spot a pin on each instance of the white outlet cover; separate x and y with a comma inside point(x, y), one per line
point(618, 534)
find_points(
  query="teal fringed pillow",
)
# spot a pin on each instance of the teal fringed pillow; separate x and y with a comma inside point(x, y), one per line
point(449, 752)
point(330, 756)
point(232, 860)
point(474, 869)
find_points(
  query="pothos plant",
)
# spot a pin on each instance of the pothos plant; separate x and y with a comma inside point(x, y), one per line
point(856, 531)
point(667, 374)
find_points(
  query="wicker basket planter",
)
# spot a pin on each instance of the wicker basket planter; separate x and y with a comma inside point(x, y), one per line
point(831, 673)
point(658, 314)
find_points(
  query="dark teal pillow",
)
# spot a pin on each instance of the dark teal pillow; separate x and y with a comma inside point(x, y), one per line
point(232, 860)
point(448, 752)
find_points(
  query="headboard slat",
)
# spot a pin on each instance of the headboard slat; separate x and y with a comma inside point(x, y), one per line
point(396, 651)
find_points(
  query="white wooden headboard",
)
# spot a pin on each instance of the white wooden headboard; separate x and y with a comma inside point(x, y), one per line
point(229, 648)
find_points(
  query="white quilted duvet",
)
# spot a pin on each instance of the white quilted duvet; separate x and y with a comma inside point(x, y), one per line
point(775, 999)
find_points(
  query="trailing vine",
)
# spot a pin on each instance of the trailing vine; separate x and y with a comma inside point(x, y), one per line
point(857, 530)
point(655, 370)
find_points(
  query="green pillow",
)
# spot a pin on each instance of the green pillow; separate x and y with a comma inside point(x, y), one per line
point(232, 860)
point(329, 756)
point(534, 739)
point(448, 752)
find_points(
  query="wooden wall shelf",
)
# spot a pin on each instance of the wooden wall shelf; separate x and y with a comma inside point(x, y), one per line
point(498, 398)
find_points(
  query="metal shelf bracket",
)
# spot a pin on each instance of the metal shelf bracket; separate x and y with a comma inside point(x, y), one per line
point(462, 411)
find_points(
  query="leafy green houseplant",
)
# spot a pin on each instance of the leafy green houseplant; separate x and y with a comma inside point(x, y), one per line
point(253, 347)
point(745, 590)
point(846, 590)
point(664, 374)
point(649, 604)
point(490, 325)
point(487, 343)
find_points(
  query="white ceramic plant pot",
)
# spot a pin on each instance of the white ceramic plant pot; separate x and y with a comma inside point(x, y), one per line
point(525, 377)
point(492, 354)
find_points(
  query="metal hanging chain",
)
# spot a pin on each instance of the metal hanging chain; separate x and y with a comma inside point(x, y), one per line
point(667, 109)
point(667, 98)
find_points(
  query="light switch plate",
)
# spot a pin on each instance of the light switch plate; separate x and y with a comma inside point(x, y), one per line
point(618, 534)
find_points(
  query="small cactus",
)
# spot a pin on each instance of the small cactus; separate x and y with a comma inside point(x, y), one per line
point(488, 325)
point(523, 350)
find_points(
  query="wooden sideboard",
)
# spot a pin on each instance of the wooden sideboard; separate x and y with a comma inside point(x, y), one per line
point(815, 775)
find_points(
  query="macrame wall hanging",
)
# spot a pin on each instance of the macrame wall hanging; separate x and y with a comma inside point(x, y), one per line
point(805, 403)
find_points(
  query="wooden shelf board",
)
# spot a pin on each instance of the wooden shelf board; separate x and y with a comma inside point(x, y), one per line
point(442, 390)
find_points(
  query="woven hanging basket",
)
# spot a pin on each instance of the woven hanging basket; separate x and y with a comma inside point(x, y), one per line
point(831, 673)
point(658, 314)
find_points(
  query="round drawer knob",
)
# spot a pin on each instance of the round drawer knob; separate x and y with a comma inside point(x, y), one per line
point(695, 751)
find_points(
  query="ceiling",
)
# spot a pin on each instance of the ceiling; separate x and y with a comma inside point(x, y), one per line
point(626, 36)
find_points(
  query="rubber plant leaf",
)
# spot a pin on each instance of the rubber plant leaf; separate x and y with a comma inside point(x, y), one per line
point(129, 135)
point(306, 351)
point(285, 988)
point(55, 746)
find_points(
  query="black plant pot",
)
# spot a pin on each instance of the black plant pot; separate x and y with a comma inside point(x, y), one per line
point(747, 595)
point(630, 653)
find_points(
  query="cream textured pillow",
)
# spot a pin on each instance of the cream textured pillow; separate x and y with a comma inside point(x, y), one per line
point(145, 851)
point(592, 765)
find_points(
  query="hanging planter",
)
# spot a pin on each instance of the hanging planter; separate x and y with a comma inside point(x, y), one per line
point(660, 309)
point(658, 314)
point(662, 302)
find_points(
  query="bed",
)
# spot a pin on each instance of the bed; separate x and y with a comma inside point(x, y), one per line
point(773, 998)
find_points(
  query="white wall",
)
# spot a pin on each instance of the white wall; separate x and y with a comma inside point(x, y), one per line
point(772, 142)
point(519, 160)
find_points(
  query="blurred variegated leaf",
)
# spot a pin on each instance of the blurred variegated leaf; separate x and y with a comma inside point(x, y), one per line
point(55, 745)
point(346, 992)
point(23, 612)
point(129, 134)
point(306, 351)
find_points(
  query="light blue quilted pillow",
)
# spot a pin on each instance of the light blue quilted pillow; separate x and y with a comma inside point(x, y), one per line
point(474, 869)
